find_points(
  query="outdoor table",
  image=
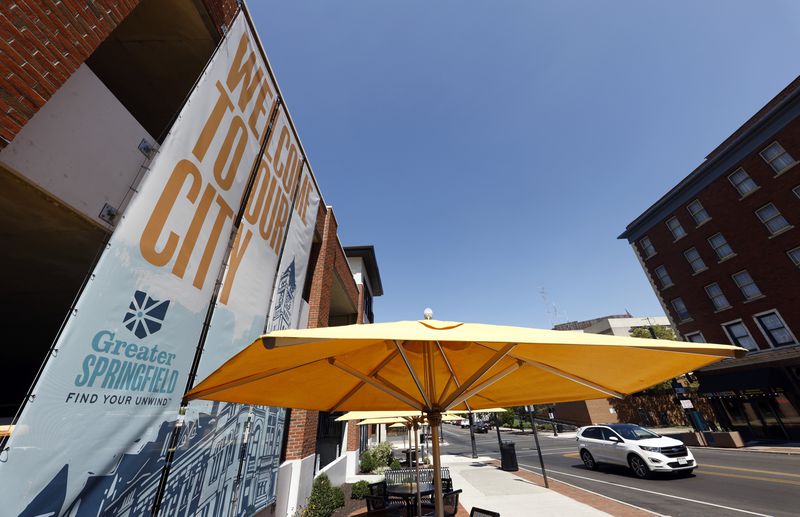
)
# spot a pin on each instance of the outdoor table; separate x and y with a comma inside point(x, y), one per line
point(408, 492)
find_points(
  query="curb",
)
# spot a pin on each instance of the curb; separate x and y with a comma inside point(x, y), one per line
point(744, 449)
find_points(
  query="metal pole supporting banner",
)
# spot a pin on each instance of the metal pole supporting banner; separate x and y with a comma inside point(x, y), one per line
point(538, 448)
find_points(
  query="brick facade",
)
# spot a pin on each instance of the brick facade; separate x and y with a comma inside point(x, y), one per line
point(41, 44)
point(762, 255)
point(331, 261)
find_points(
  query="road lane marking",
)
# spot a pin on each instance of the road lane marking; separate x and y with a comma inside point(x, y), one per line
point(754, 478)
point(549, 470)
point(772, 472)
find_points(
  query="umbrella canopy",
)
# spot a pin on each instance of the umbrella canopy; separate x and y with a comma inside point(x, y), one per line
point(434, 366)
point(437, 365)
point(361, 415)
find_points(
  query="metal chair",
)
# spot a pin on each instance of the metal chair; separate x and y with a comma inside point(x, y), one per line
point(379, 503)
point(449, 503)
point(480, 512)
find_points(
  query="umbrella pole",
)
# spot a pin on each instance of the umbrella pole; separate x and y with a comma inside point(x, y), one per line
point(538, 448)
point(434, 419)
point(416, 464)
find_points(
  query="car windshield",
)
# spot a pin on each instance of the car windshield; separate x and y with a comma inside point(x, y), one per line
point(633, 432)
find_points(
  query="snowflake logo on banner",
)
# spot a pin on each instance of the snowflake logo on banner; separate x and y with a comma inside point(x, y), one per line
point(145, 315)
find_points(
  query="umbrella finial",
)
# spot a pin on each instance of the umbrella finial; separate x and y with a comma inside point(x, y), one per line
point(428, 313)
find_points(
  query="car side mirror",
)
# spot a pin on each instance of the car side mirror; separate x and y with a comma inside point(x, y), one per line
point(614, 439)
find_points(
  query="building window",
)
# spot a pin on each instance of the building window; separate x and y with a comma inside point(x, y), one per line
point(647, 247)
point(775, 329)
point(717, 296)
point(721, 246)
point(777, 157)
point(796, 191)
point(742, 182)
point(675, 227)
point(739, 335)
point(772, 219)
point(695, 337)
point(748, 287)
point(794, 254)
point(680, 309)
point(698, 213)
point(663, 276)
point(695, 260)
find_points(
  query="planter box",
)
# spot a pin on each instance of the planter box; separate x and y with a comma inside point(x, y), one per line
point(732, 439)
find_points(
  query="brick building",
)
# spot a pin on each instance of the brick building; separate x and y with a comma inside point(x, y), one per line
point(722, 251)
point(87, 91)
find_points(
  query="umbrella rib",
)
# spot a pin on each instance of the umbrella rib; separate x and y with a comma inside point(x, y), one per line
point(571, 377)
point(358, 386)
point(247, 379)
point(485, 384)
point(497, 357)
point(453, 375)
point(389, 384)
point(413, 374)
point(374, 383)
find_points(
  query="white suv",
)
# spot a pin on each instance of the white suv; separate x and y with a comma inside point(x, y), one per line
point(643, 451)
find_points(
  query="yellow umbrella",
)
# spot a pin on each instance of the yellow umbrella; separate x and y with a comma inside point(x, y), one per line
point(433, 366)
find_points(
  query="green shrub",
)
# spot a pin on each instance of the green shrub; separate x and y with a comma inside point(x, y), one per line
point(383, 454)
point(324, 499)
point(395, 465)
point(359, 490)
point(376, 458)
point(368, 461)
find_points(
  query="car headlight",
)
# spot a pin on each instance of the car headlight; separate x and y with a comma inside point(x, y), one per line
point(650, 449)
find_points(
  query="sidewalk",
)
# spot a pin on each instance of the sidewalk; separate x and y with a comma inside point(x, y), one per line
point(486, 486)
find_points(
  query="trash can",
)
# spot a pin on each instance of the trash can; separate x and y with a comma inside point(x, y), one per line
point(508, 457)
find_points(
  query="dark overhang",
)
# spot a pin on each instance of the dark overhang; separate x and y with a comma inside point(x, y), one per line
point(776, 114)
point(367, 254)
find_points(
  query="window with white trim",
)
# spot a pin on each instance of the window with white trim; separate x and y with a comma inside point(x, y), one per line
point(777, 157)
point(675, 227)
point(663, 276)
point(739, 335)
point(714, 292)
point(695, 260)
point(796, 191)
point(772, 218)
point(746, 284)
point(774, 328)
point(647, 247)
point(680, 309)
point(721, 246)
point(742, 182)
point(697, 212)
point(695, 337)
point(794, 255)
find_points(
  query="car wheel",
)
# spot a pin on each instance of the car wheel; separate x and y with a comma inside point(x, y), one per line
point(639, 467)
point(588, 460)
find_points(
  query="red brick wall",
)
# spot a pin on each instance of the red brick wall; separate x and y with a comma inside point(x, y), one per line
point(352, 436)
point(221, 11)
point(41, 44)
point(331, 261)
point(302, 434)
point(763, 257)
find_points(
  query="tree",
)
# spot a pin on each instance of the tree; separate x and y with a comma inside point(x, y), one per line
point(661, 332)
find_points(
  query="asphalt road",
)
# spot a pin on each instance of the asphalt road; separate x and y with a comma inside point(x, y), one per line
point(726, 483)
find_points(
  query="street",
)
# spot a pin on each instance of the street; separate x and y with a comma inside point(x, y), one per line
point(725, 482)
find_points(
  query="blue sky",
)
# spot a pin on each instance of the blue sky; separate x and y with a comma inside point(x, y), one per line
point(489, 150)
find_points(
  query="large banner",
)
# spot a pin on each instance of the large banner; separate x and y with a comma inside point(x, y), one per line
point(92, 438)
point(279, 216)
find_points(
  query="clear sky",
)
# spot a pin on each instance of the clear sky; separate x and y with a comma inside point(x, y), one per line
point(492, 149)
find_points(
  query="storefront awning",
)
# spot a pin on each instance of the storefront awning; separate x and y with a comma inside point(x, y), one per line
point(759, 380)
